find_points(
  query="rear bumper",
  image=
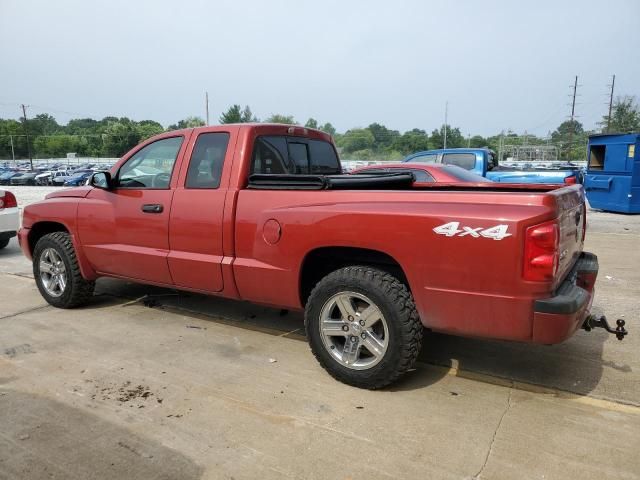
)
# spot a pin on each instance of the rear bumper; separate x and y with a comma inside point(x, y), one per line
point(558, 317)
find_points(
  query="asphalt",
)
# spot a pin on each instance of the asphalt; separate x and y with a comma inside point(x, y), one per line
point(150, 383)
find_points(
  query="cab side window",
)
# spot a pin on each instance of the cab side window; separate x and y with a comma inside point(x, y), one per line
point(151, 166)
point(207, 159)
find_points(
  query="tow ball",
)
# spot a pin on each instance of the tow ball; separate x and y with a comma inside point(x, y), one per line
point(601, 322)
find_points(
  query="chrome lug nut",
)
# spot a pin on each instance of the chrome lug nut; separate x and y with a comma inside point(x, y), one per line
point(362, 322)
point(350, 318)
point(345, 328)
point(363, 335)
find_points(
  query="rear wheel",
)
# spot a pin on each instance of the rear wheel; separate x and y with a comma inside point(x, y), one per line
point(57, 273)
point(363, 327)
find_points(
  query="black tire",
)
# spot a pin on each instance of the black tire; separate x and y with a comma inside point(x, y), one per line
point(4, 243)
point(77, 291)
point(393, 299)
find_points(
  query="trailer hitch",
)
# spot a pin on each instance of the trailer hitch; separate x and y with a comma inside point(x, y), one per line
point(601, 322)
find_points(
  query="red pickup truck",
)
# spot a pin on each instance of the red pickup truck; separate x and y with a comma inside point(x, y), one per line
point(261, 212)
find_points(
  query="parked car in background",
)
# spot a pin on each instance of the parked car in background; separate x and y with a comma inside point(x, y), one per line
point(484, 162)
point(78, 179)
point(60, 180)
point(9, 217)
point(46, 177)
point(426, 172)
point(25, 178)
point(5, 178)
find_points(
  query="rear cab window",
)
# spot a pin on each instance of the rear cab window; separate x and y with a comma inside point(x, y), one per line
point(462, 160)
point(280, 154)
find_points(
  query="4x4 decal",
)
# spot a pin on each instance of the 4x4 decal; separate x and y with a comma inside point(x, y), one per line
point(452, 229)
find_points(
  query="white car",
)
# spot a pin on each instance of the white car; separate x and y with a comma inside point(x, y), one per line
point(46, 178)
point(9, 217)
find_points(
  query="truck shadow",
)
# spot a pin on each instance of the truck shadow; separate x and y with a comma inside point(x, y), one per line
point(44, 438)
point(575, 366)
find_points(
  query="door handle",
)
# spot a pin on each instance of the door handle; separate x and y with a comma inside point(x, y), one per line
point(152, 208)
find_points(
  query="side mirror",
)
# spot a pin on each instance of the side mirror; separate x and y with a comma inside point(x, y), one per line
point(101, 180)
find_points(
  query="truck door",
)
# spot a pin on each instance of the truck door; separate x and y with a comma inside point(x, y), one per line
point(125, 231)
point(195, 224)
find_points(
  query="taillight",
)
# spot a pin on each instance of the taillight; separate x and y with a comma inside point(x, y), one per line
point(541, 252)
point(572, 180)
point(8, 201)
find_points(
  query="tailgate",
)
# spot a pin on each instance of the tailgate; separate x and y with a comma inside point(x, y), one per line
point(571, 222)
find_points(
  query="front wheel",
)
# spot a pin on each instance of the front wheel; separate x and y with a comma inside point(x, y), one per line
point(57, 274)
point(363, 327)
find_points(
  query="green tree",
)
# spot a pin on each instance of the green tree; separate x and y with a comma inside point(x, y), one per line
point(570, 138)
point(43, 124)
point(11, 129)
point(477, 141)
point(355, 140)
point(625, 116)
point(455, 139)
point(278, 118)
point(247, 116)
point(411, 141)
point(311, 123)
point(148, 128)
point(120, 137)
point(189, 122)
point(232, 115)
point(565, 130)
point(328, 128)
point(236, 114)
point(383, 136)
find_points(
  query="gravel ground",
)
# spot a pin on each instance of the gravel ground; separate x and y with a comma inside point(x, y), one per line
point(28, 195)
point(598, 221)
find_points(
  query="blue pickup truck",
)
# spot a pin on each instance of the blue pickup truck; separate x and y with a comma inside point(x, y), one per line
point(483, 161)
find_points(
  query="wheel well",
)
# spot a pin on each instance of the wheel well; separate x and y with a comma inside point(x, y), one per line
point(322, 261)
point(41, 229)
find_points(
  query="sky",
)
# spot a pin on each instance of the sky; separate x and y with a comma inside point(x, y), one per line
point(499, 64)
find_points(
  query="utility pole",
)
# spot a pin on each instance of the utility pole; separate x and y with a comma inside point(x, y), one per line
point(26, 131)
point(206, 105)
point(446, 112)
point(613, 82)
point(573, 115)
point(13, 153)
